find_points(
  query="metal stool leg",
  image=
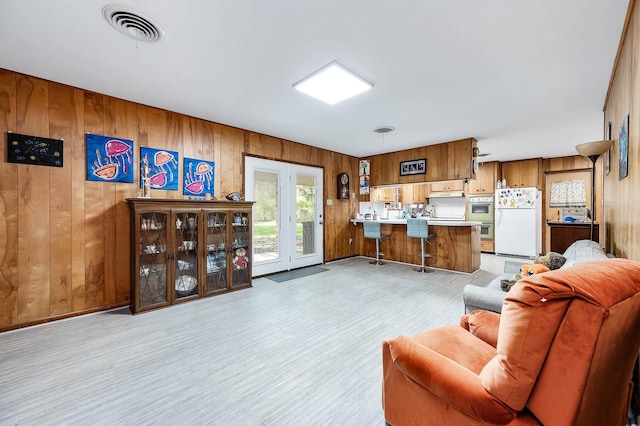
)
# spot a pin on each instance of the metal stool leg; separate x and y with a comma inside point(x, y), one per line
point(377, 261)
point(423, 268)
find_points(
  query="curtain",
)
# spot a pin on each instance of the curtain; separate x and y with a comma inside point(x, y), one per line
point(568, 193)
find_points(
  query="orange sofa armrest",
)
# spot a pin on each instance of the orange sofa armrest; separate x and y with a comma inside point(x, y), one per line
point(450, 381)
point(482, 324)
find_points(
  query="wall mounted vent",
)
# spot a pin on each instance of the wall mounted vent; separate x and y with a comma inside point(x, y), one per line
point(132, 23)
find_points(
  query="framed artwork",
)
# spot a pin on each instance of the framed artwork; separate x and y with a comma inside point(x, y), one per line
point(364, 184)
point(163, 168)
point(623, 161)
point(364, 168)
point(198, 177)
point(109, 159)
point(34, 150)
point(413, 167)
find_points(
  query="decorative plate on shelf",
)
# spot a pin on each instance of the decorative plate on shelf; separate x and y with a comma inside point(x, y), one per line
point(234, 196)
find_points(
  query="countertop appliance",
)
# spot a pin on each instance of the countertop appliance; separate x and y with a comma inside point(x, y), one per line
point(518, 222)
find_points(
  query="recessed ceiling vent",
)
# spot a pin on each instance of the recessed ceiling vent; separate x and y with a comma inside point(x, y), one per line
point(132, 23)
point(384, 129)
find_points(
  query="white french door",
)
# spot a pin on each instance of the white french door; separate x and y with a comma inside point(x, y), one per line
point(287, 214)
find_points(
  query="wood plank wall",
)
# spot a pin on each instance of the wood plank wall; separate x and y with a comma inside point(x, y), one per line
point(622, 197)
point(64, 241)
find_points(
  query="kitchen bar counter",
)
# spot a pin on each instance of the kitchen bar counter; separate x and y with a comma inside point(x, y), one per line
point(456, 246)
point(430, 221)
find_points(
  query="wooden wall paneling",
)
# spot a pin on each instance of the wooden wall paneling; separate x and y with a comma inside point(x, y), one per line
point(391, 168)
point(236, 169)
point(216, 129)
point(330, 232)
point(297, 153)
point(208, 151)
point(8, 205)
point(225, 137)
point(109, 203)
point(60, 209)
point(94, 106)
point(375, 163)
point(126, 128)
point(621, 196)
point(77, 155)
point(34, 237)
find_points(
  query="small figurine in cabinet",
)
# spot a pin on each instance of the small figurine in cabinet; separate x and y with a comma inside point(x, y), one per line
point(240, 260)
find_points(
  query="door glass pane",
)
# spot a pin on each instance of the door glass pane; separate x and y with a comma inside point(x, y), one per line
point(305, 214)
point(216, 251)
point(265, 216)
point(186, 250)
point(240, 249)
point(153, 247)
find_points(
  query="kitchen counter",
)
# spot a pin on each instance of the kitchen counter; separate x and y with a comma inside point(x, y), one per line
point(430, 221)
point(456, 246)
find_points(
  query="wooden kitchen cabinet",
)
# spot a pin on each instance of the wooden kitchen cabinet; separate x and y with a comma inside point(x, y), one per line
point(445, 161)
point(455, 185)
point(384, 194)
point(486, 179)
point(182, 250)
point(523, 173)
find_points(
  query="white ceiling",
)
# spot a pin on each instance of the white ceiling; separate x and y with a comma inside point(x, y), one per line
point(525, 78)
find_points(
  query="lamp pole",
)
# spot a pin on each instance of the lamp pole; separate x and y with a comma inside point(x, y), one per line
point(593, 190)
point(593, 150)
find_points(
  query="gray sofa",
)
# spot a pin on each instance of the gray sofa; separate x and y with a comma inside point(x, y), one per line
point(491, 297)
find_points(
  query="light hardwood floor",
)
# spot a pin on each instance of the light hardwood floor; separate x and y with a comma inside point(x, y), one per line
point(306, 351)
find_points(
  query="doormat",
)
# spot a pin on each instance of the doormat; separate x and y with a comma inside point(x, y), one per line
point(295, 273)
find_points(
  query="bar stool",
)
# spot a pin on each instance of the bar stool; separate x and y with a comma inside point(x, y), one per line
point(372, 230)
point(419, 228)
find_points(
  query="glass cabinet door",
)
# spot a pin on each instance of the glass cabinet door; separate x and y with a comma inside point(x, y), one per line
point(216, 240)
point(152, 285)
point(185, 244)
point(240, 253)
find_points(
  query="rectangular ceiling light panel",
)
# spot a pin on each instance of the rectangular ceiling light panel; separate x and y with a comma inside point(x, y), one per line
point(332, 84)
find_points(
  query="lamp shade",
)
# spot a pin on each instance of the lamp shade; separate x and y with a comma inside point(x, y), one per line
point(593, 150)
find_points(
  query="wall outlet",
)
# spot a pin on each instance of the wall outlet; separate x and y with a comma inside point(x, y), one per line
point(350, 241)
point(329, 202)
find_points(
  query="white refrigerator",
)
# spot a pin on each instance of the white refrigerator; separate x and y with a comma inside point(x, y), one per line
point(518, 222)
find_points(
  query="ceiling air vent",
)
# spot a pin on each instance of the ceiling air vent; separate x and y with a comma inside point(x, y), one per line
point(132, 24)
point(384, 129)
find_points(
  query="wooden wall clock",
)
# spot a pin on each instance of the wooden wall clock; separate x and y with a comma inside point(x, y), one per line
point(343, 186)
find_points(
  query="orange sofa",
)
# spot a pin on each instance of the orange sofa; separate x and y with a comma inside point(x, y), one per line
point(561, 353)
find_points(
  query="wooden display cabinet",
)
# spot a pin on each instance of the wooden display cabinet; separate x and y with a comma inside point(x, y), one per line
point(182, 250)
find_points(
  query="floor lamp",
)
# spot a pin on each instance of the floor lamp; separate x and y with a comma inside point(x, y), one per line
point(593, 151)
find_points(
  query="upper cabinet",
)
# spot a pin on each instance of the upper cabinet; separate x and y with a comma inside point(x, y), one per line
point(485, 180)
point(523, 173)
point(454, 185)
point(445, 161)
point(385, 193)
